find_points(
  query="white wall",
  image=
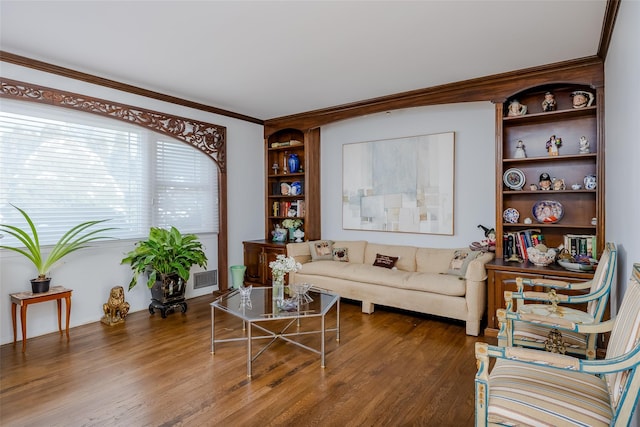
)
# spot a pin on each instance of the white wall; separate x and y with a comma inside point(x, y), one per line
point(473, 124)
point(622, 88)
point(91, 273)
point(622, 127)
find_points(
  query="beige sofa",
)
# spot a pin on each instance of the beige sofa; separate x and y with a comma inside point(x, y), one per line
point(422, 279)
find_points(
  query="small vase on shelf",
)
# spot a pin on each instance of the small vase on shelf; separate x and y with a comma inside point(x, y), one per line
point(292, 232)
point(294, 163)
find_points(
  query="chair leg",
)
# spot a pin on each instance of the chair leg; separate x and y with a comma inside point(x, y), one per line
point(482, 385)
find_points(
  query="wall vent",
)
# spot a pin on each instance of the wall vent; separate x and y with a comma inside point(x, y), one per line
point(205, 279)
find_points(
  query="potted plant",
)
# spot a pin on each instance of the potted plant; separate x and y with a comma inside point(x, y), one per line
point(74, 239)
point(167, 257)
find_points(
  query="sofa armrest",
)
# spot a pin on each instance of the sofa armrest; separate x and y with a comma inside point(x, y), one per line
point(476, 270)
point(299, 251)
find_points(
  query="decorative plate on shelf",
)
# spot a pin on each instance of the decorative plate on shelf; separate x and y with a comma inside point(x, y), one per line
point(514, 179)
point(511, 215)
point(578, 267)
point(548, 211)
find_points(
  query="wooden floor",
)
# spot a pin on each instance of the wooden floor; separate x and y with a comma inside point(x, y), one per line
point(390, 368)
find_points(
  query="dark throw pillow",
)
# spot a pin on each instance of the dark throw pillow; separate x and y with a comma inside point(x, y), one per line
point(385, 261)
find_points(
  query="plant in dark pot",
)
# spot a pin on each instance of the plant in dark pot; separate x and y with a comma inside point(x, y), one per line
point(74, 239)
point(166, 257)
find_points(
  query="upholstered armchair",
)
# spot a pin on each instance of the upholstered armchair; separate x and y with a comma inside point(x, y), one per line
point(533, 387)
point(544, 324)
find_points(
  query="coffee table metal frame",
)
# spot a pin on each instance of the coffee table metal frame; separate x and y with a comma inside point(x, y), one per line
point(260, 309)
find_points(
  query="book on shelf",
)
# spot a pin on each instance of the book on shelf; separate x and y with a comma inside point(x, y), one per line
point(290, 143)
point(581, 245)
point(521, 241)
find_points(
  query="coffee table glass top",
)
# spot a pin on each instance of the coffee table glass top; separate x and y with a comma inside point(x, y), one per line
point(260, 305)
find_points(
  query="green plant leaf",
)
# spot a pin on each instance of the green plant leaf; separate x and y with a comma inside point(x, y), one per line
point(165, 253)
point(74, 239)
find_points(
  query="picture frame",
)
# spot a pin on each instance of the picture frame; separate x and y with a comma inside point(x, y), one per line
point(400, 185)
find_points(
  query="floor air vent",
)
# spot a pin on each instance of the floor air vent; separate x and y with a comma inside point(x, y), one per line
point(205, 279)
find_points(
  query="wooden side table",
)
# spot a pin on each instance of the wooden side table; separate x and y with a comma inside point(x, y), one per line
point(23, 299)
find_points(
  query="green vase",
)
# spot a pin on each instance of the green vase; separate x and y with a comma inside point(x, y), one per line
point(237, 275)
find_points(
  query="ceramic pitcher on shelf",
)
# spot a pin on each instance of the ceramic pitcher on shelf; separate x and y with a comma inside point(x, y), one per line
point(590, 182)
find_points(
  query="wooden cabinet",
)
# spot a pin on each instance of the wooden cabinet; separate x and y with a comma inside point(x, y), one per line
point(581, 210)
point(293, 193)
point(257, 256)
point(499, 271)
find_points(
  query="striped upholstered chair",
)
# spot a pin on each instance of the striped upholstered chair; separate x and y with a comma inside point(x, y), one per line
point(533, 387)
point(527, 323)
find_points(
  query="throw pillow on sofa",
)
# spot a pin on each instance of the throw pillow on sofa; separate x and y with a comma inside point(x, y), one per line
point(460, 262)
point(321, 249)
point(385, 261)
point(341, 254)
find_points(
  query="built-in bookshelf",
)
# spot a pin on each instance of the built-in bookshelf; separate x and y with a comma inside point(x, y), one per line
point(543, 158)
point(293, 186)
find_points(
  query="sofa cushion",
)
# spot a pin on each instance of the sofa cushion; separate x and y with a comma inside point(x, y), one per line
point(436, 283)
point(444, 284)
point(340, 254)
point(385, 261)
point(321, 249)
point(300, 251)
point(406, 255)
point(460, 262)
point(433, 260)
point(361, 273)
point(355, 247)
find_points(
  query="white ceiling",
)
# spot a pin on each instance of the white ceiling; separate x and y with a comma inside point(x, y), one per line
point(267, 59)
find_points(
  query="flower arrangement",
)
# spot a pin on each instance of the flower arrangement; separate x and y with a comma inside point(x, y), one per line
point(292, 223)
point(283, 265)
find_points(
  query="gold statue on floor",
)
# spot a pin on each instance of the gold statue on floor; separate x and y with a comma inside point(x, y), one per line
point(116, 309)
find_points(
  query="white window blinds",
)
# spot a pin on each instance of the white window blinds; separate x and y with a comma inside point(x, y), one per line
point(64, 167)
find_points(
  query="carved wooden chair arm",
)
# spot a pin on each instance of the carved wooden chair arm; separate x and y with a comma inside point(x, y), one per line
point(485, 351)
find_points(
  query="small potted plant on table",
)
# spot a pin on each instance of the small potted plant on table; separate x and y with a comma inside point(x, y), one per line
point(167, 257)
point(74, 239)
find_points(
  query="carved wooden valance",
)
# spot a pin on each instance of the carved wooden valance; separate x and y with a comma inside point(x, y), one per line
point(207, 137)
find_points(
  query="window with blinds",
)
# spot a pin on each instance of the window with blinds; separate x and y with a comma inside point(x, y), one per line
point(64, 167)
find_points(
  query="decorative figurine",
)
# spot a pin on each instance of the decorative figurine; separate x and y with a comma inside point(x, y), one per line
point(275, 168)
point(553, 144)
point(533, 187)
point(558, 184)
point(549, 103)
point(582, 99)
point(488, 244)
point(520, 153)
point(584, 145)
point(516, 109)
point(279, 234)
point(298, 234)
point(545, 181)
point(116, 309)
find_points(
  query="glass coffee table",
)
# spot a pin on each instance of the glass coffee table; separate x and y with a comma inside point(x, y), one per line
point(259, 311)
